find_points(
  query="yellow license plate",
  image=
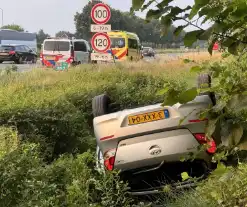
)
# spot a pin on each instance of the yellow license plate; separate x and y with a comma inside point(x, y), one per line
point(50, 58)
point(147, 117)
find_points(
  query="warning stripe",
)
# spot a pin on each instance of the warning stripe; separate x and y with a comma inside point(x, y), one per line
point(118, 54)
point(122, 55)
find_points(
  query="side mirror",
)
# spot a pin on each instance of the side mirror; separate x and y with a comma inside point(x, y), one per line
point(30, 50)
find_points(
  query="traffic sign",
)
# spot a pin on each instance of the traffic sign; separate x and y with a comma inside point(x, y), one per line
point(101, 42)
point(100, 28)
point(101, 56)
point(101, 13)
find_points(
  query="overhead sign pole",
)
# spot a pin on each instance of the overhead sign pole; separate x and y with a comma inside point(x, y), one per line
point(101, 43)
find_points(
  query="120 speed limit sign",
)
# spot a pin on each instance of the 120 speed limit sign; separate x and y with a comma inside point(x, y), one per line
point(101, 13)
point(101, 42)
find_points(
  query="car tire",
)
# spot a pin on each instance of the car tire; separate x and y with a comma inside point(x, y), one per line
point(19, 60)
point(101, 105)
point(131, 58)
point(205, 81)
point(34, 60)
point(1, 61)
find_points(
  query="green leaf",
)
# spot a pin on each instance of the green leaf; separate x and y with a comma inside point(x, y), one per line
point(166, 21)
point(179, 29)
point(195, 69)
point(185, 176)
point(220, 170)
point(187, 8)
point(233, 48)
point(191, 37)
point(164, 3)
point(188, 95)
point(236, 134)
point(137, 4)
point(163, 91)
point(197, 6)
point(144, 7)
point(175, 11)
point(206, 34)
point(240, 12)
point(153, 14)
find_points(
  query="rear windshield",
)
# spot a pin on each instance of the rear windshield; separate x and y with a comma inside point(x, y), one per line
point(117, 42)
point(146, 49)
point(57, 46)
point(4, 48)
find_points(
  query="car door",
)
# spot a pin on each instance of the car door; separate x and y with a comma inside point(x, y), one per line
point(28, 53)
point(81, 52)
point(19, 51)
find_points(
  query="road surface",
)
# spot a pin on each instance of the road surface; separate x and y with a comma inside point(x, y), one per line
point(21, 67)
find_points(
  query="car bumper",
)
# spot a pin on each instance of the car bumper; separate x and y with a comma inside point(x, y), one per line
point(12, 58)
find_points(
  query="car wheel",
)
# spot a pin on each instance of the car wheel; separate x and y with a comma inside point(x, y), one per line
point(101, 105)
point(34, 60)
point(19, 60)
point(131, 58)
point(204, 81)
point(1, 62)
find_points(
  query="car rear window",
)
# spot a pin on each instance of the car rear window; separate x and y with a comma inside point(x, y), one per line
point(145, 49)
point(57, 46)
point(4, 48)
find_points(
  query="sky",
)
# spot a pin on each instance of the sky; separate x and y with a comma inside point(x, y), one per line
point(55, 15)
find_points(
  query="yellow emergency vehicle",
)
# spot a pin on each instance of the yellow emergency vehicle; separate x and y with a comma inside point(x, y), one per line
point(125, 45)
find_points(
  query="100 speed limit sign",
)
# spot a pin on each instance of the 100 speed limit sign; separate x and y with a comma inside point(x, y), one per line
point(101, 42)
point(101, 13)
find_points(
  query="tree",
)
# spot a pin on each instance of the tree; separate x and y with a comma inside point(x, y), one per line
point(64, 34)
point(41, 36)
point(13, 27)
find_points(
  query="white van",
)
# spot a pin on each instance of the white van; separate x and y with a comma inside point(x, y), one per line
point(55, 51)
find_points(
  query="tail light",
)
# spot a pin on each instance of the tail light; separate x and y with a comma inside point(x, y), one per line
point(11, 52)
point(109, 159)
point(202, 139)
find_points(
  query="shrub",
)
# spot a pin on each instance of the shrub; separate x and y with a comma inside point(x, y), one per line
point(25, 180)
point(8, 140)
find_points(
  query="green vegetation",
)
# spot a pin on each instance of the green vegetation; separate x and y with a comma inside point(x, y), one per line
point(47, 144)
point(13, 27)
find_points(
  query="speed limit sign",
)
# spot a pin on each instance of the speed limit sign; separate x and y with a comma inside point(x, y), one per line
point(101, 42)
point(101, 13)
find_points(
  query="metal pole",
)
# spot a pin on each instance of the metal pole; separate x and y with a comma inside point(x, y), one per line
point(2, 15)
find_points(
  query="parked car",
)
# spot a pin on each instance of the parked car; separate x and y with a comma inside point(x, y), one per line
point(17, 53)
point(146, 144)
point(148, 51)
